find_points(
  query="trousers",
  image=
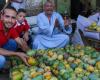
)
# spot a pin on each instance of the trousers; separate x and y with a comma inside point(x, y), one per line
point(11, 45)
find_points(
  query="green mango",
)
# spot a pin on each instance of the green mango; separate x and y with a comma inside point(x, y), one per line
point(98, 58)
point(53, 78)
point(92, 76)
point(31, 52)
point(17, 76)
point(39, 77)
point(60, 78)
point(61, 66)
point(73, 65)
point(94, 55)
point(66, 76)
point(72, 78)
point(62, 71)
point(79, 79)
point(92, 62)
point(85, 78)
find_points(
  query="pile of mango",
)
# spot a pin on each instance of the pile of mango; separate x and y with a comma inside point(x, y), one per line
point(70, 63)
point(94, 27)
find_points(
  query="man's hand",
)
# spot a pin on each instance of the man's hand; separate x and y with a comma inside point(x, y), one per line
point(67, 22)
point(23, 56)
point(22, 43)
point(56, 23)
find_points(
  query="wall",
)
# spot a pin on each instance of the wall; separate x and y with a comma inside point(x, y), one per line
point(93, 3)
point(63, 5)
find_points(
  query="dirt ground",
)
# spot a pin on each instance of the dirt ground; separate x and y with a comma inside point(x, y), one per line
point(4, 76)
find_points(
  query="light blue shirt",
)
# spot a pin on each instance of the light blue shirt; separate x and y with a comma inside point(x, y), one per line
point(49, 35)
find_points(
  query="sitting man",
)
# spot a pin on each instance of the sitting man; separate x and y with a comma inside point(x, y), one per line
point(22, 26)
point(50, 35)
point(9, 37)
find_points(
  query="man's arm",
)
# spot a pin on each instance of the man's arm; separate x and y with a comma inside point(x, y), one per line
point(68, 28)
point(6, 52)
point(22, 43)
point(26, 31)
point(26, 36)
point(11, 53)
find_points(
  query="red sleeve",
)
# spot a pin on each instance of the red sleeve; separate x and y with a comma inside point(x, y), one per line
point(13, 33)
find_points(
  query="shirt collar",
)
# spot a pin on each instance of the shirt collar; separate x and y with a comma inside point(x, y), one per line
point(20, 23)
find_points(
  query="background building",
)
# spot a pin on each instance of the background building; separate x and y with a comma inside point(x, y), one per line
point(72, 7)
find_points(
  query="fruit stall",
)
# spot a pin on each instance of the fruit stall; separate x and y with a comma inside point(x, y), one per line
point(94, 27)
point(69, 63)
point(92, 33)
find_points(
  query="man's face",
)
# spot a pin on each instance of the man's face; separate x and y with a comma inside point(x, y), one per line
point(9, 18)
point(48, 8)
point(21, 17)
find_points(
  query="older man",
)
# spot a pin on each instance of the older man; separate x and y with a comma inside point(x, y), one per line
point(51, 35)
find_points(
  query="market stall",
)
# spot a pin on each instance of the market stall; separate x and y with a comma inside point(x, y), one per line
point(70, 63)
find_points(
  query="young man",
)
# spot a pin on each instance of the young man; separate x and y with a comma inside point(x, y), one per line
point(9, 38)
point(50, 34)
point(22, 26)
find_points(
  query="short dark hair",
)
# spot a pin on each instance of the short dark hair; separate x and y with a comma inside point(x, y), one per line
point(21, 10)
point(9, 7)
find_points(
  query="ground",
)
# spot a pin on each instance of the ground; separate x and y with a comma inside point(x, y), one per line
point(4, 76)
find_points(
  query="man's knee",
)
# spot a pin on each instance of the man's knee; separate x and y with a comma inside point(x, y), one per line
point(13, 43)
point(2, 61)
point(10, 45)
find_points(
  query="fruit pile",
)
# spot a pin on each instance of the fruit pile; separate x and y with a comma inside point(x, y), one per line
point(94, 27)
point(70, 63)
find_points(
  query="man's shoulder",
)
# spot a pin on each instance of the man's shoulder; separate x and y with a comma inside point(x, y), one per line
point(56, 13)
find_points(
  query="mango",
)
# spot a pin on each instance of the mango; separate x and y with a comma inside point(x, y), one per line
point(90, 68)
point(18, 76)
point(32, 61)
point(47, 75)
point(98, 65)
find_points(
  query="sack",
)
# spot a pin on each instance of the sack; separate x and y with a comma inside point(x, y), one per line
point(18, 1)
